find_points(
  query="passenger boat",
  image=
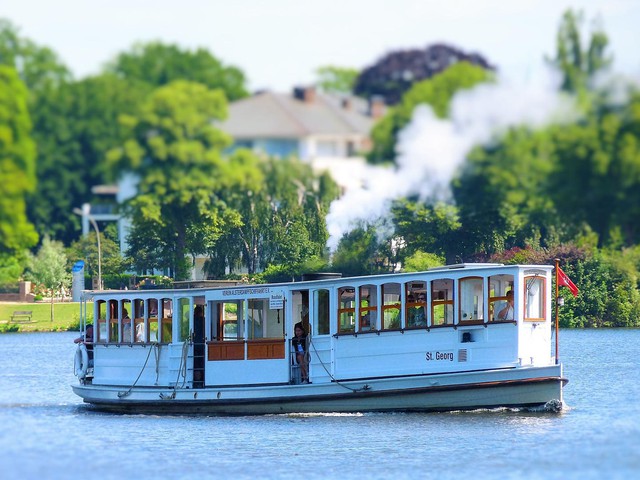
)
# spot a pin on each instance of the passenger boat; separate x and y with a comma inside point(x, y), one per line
point(436, 340)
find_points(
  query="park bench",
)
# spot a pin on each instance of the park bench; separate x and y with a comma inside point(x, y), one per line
point(21, 316)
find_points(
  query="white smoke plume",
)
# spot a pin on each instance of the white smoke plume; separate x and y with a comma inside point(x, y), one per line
point(430, 150)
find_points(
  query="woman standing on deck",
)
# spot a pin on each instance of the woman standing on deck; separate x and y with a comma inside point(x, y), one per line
point(299, 343)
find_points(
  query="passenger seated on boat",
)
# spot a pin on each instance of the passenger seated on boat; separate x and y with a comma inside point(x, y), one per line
point(140, 333)
point(87, 339)
point(126, 326)
point(299, 343)
point(507, 312)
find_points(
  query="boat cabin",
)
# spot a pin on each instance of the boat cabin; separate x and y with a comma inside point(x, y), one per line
point(457, 318)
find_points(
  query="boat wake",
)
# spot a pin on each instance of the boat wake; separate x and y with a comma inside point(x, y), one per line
point(322, 414)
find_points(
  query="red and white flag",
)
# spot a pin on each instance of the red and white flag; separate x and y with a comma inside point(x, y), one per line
point(564, 281)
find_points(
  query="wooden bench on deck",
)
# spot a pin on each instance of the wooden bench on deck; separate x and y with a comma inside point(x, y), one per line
point(21, 316)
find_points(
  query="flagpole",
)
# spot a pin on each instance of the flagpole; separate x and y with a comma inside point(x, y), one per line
point(557, 263)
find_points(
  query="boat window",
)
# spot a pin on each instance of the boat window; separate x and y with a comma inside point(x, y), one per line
point(152, 305)
point(416, 304)
point(166, 310)
point(534, 306)
point(346, 309)
point(101, 308)
point(229, 324)
point(499, 285)
point(321, 306)
point(471, 299)
point(183, 313)
point(390, 306)
point(442, 302)
point(138, 320)
point(126, 310)
point(368, 308)
point(112, 314)
point(256, 314)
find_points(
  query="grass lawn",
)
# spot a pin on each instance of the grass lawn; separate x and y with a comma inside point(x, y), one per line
point(66, 316)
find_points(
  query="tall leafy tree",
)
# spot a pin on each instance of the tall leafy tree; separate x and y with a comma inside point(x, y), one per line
point(422, 227)
point(17, 171)
point(596, 179)
point(397, 72)
point(76, 124)
point(578, 61)
point(48, 268)
point(280, 205)
point(156, 64)
point(502, 194)
point(86, 248)
point(38, 67)
point(336, 79)
point(174, 149)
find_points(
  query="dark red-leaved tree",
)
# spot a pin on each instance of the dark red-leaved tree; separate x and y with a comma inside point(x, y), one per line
point(397, 71)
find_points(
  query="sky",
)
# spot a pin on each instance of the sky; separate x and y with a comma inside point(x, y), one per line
point(280, 43)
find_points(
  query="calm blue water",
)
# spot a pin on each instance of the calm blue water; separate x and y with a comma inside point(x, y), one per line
point(45, 432)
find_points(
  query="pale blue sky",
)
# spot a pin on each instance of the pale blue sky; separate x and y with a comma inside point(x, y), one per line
point(279, 43)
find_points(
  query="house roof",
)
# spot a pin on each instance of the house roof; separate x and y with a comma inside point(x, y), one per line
point(277, 115)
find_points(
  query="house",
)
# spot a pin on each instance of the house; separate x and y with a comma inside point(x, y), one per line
point(307, 123)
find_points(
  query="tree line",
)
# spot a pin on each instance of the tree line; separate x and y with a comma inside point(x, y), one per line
point(567, 191)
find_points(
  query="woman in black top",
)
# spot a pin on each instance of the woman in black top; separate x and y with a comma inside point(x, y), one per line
point(299, 343)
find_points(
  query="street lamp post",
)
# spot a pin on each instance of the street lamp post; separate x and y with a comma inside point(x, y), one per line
point(86, 212)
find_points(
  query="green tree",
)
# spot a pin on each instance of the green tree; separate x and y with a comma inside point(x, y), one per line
point(86, 248)
point(596, 177)
point(336, 79)
point(175, 151)
point(75, 125)
point(577, 62)
point(361, 252)
point(436, 92)
point(280, 206)
point(502, 194)
point(156, 64)
point(17, 170)
point(425, 228)
point(420, 261)
point(38, 67)
point(48, 268)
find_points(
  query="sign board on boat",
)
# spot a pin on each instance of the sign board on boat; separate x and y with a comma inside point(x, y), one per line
point(276, 301)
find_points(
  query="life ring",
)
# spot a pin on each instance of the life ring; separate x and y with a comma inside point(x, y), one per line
point(81, 361)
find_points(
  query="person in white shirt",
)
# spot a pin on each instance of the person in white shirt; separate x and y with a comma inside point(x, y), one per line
point(507, 312)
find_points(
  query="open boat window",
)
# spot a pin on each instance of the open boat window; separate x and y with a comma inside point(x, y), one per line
point(368, 312)
point(228, 321)
point(112, 317)
point(183, 311)
point(442, 302)
point(126, 323)
point(471, 306)
point(346, 309)
point(138, 321)
point(499, 285)
point(321, 307)
point(151, 306)
point(534, 295)
point(416, 304)
point(166, 310)
point(257, 314)
point(101, 315)
point(390, 306)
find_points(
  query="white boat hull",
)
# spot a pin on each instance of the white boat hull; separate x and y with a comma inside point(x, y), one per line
point(512, 387)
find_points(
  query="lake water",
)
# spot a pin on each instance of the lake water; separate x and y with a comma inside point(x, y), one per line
point(47, 433)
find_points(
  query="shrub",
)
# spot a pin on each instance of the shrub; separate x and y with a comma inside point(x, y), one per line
point(8, 327)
